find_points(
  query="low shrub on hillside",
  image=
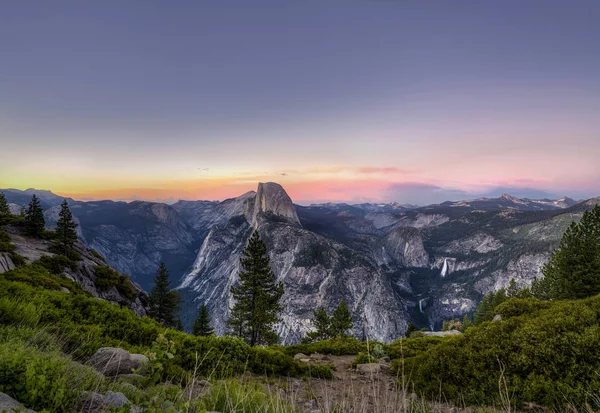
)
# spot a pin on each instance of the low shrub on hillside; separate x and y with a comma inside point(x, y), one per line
point(85, 324)
point(96, 254)
point(337, 347)
point(362, 358)
point(57, 264)
point(545, 352)
point(106, 278)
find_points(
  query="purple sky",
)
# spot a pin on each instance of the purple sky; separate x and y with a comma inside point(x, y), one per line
point(374, 100)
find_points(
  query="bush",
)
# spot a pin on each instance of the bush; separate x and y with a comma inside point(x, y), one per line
point(363, 358)
point(96, 254)
point(42, 380)
point(232, 396)
point(106, 278)
point(337, 347)
point(546, 353)
point(57, 264)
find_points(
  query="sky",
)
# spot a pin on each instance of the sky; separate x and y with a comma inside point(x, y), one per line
point(346, 101)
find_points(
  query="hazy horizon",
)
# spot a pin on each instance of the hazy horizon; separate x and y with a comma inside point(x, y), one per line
point(363, 102)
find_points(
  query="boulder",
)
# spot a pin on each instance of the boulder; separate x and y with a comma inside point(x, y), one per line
point(318, 357)
point(116, 399)
point(497, 317)
point(10, 405)
point(300, 356)
point(368, 368)
point(112, 361)
point(91, 402)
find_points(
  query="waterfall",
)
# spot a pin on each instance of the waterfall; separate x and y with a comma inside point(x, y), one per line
point(421, 304)
point(444, 267)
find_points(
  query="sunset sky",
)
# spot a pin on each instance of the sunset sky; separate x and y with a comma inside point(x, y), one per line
point(408, 101)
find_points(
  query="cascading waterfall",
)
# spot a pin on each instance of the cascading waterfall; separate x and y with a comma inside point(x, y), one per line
point(421, 304)
point(444, 268)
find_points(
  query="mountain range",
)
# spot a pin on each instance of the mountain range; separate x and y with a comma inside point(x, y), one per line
point(392, 263)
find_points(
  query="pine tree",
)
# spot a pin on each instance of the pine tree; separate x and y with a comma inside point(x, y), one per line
point(164, 302)
point(257, 296)
point(34, 218)
point(322, 324)
point(4, 208)
point(512, 290)
point(341, 320)
point(65, 229)
point(574, 269)
point(202, 324)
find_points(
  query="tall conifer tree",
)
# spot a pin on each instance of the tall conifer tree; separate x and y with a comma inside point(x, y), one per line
point(341, 320)
point(574, 269)
point(65, 228)
point(34, 218)
point(164, 302)
point(202, 325)
point(257, 296)
point(4, 208)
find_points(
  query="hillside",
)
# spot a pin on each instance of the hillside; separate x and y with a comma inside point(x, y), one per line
point(393, 264)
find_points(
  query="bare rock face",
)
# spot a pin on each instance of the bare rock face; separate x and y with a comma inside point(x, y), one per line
point(271, 198)
point(403, 247)
point(10, 405)
point(6, 262)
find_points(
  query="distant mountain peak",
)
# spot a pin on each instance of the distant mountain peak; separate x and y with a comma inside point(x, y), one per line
point(272, 198)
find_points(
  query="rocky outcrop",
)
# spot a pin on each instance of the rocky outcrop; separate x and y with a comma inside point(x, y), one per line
point(480, 242)
point(6, 262)
point(401, 247)
point(271, 198)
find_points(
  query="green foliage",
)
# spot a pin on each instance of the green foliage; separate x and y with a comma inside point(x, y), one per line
point(159, 355)
point(42, 379)
point(202, 323)
point(378, 351)
point(65, 229)
point(574, 269)
point(256, 296)
point(322, 325)
point(4, 208)
point(362, 358)
point(232, 396)
point(546, 352)
point(341, 320)
point(56, 264)
point(85, 324)
point(410, 329)
point(96, 254)
point(454, 324)
point(106, 278)
point(164, 302)
point(410, 347)
point(336, 346)
point(34, 218)
point(5, 244)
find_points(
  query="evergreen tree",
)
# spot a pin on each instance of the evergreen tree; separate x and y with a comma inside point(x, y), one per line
point(257, 296)
point(574, 269)
point(322, 324)
point(202, 324)
point(512, 290)
point(4, 208)
point(410, 329)
point(65, 228)
point(34, 218)
point(164, 302)
point(341, 320)
point(486, 310)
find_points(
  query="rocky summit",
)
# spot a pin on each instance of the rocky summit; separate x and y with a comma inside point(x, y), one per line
point(393, 264)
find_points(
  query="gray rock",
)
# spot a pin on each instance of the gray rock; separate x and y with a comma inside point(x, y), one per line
point(300, 356)
point(497, 317)
point(115, 399)
point(6, 262)
point(112, 361)
point(368, 368)
point(10, 405)
point(91, 402)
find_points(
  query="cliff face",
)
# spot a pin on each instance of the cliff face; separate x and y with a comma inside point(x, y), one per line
point(315, 271)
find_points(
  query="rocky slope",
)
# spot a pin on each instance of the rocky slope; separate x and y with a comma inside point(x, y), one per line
point(392, 263)
point(316, 271)
point(85, 274)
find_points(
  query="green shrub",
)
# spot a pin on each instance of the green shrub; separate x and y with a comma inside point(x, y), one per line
point(38, 276)
point(545, 352)
point(18, 259)
point(56, 264)
point(15, 311)
point(378, 351)
point(70, 254)
point(106, 278)
point(363, 358)
point(42, 380)
point(337, 347)
point(96, 254)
